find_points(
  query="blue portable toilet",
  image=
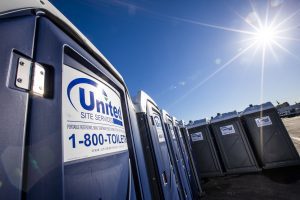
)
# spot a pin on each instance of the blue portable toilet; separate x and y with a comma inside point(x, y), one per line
point(65, 122)
point(143, 179)
point(158, 163)
point(177, 157)
point(183, 152)
point(193, 177)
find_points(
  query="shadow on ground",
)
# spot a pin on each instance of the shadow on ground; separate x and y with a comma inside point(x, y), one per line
point(281, 184)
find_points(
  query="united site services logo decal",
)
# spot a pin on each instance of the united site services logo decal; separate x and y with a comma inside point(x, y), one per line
point(263, 121)
point(93, 100)
point(225, 130)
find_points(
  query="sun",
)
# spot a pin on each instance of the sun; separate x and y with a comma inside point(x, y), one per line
point(266, 33)
point(265, 36)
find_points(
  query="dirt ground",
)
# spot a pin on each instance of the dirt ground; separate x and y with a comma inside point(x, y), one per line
point(274, 184)
point(293, 127)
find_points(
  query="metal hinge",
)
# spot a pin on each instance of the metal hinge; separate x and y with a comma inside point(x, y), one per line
point(30, 76)
point(23, 73)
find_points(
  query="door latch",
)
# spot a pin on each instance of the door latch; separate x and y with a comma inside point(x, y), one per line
point(164, 177)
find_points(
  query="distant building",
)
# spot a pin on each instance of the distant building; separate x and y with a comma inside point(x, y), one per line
point(283, 105)
point(287, 110)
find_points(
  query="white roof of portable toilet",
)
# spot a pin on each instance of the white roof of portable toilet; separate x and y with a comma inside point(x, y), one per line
point(257, 108)
point(199, 122)
point(140, 101)
point(224, 116)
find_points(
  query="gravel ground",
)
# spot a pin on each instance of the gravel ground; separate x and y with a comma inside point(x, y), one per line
point(274, 184)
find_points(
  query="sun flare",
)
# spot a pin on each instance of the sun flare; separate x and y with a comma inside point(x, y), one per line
point(265, 36)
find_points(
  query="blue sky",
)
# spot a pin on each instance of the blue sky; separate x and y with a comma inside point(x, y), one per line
point(180, 54)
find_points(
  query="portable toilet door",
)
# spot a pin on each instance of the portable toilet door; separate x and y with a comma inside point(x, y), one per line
point(143, 180)
point(195, 188)
point(185, 134)
point(204, 151)
point(269, 137)
point(66, 127)
point(186, 166)
point(195, 178)
point(177, 157)
point(181, 147)
point(158, 163)
point(233, 144)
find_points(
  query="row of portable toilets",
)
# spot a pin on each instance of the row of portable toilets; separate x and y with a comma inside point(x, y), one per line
point(235, 143)
point(168, 160)
point(70, 130)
